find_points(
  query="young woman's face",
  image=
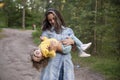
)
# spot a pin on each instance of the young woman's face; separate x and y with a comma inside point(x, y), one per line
point(37, 55)
point(51, 19)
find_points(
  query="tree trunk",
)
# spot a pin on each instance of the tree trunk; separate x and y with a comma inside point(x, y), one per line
point(95, 39)
point(23, 18)
point(23, 13)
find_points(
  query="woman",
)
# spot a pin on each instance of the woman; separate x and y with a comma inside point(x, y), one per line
point(60, 67)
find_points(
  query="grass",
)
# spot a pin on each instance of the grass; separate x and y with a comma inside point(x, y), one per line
point(1, 35)
point(0, 30)
point(36, 36)
point(108, 66)
point(36, 41)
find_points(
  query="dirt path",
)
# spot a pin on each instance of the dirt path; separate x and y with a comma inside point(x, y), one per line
point(15, 58)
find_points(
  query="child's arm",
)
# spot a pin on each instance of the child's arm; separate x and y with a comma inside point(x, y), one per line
point(68, 41)
point(52, 48)
point(59, 47)
point(43, 38)
point(56, 46)
point(51, 54)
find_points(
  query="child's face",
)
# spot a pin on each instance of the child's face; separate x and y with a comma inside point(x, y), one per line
point(37, 55)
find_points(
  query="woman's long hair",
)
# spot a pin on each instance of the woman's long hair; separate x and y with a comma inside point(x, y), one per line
point(58, 20)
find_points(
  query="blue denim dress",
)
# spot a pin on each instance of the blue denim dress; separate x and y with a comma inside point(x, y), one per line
point(52, 70)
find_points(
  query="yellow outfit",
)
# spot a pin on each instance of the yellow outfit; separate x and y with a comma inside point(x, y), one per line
point(44, 47)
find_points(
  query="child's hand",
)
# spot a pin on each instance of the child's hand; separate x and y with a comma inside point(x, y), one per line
point(41, 38)
point(67, 41)
point(53, 45)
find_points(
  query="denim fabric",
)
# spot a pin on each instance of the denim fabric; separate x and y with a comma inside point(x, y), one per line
point(66, 49)
point(52, 70)
point(61, 75)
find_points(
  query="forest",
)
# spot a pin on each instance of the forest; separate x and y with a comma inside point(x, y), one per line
point(97, 21)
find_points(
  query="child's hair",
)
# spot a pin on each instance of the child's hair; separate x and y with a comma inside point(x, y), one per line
point(42, 63)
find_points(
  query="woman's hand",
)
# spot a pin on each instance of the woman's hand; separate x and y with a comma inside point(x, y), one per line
point(68, 41)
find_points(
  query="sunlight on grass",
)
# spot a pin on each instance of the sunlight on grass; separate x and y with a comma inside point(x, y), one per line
point(1, 35)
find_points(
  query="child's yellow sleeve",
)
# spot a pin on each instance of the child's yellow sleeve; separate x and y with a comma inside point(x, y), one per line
point(47, 53)
point(51, 53)
point(45, 38)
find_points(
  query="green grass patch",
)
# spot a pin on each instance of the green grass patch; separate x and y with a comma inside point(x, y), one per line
point(108, 66)
point(36, 41)
point(1, 35)
point(0, 30)
point(36, 37)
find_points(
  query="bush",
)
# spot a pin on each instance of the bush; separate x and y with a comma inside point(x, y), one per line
point(36, 36)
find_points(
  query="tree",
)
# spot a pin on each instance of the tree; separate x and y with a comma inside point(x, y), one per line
point(23, 13)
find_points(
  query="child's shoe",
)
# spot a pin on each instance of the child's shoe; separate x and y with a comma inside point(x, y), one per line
point(84, 54)
point(86, 46)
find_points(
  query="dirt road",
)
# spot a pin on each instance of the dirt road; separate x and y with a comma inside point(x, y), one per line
point(15, 58)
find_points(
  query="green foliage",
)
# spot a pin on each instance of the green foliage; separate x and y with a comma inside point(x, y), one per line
point(36, 36)
point(12, 14)
point(36, 40)
point(2, 18)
